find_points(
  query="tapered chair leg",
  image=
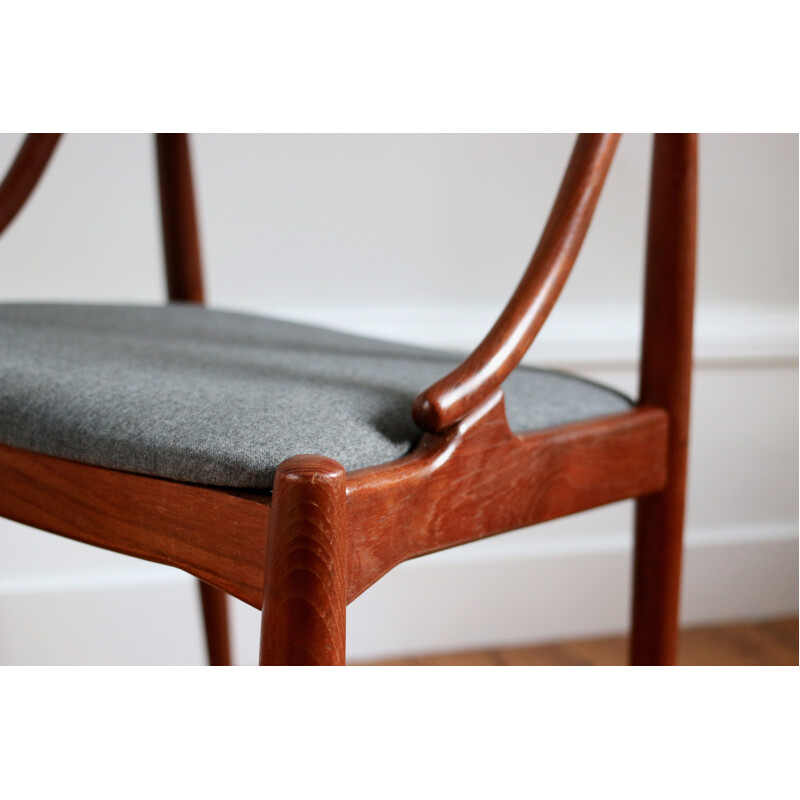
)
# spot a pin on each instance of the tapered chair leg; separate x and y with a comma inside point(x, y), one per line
point(305, 590)
point(657, 581)
point(666, 383)
point(215, 619)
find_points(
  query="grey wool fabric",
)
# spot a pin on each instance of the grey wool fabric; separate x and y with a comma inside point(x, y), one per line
point(221, 398)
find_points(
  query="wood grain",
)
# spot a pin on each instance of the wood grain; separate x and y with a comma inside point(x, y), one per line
point(481, 479)
point(305, 587)
point(216, 535)
point(475, 481)
point(666, 376)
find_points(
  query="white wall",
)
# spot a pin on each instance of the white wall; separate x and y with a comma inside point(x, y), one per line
point(422, 238)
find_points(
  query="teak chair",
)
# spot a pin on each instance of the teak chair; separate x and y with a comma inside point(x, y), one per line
point(302, 547)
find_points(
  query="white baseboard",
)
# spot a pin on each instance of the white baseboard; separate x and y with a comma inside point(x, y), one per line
point(469, 597)
point(530, 596)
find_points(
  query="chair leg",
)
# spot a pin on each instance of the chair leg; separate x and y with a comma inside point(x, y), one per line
point(305, 589)
point(666, 383)
point(215, 617)
point(657, 577)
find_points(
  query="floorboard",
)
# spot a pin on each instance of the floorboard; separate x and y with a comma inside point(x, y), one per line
point(770, 643)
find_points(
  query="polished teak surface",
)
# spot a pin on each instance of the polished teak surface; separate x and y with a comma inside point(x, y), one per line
point(322, 537)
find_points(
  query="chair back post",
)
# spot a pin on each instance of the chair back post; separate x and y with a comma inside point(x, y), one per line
point(185, 283)
point(665, 382)
point(179, 218)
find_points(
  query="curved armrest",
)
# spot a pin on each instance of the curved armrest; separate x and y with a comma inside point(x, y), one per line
point(451, 398)
point(24, 174)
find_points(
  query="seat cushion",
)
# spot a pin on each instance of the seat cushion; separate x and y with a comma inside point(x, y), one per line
point(222, 398)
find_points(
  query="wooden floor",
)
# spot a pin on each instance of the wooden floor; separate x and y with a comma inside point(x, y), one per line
point(772, 643)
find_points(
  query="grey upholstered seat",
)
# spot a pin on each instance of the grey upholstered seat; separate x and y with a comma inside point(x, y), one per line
point(222, 398)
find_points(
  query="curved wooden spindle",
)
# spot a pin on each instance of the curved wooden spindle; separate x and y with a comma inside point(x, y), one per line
point(451, 398)
point(24, 173)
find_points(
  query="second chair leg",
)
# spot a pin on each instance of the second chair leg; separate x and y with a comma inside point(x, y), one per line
point(215, 618)
point(666, 383)
point(657, 577)
point(305, 588)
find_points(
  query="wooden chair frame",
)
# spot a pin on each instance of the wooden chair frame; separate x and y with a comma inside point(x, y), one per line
point(304, 551)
